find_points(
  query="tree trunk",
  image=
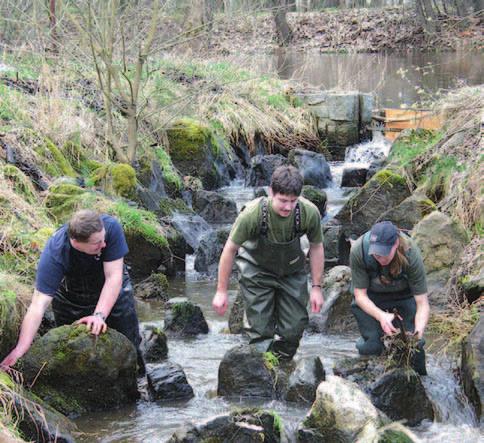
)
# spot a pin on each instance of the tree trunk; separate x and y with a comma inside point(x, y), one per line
point(53, 27)
point(426, 15)
point(283, 30)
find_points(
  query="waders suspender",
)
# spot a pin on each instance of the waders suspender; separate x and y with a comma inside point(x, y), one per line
point(264, 225)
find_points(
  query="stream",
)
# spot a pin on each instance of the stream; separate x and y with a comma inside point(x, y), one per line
point(200, 356)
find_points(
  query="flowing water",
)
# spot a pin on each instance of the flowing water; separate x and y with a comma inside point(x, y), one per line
point(200, 357)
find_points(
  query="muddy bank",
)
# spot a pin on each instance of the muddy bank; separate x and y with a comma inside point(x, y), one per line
point(360, 30)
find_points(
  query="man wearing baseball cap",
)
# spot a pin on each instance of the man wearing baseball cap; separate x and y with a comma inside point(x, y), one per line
point(387, 273)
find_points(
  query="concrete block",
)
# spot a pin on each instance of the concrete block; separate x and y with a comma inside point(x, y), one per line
point(344, 106)
point(367, 103)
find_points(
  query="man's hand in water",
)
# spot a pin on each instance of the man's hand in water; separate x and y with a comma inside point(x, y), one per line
point(220, 302)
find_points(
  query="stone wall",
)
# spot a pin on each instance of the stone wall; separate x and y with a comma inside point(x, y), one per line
point(342, 117)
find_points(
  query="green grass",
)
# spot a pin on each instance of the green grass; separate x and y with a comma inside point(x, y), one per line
point(139, 221)
point(406, 149)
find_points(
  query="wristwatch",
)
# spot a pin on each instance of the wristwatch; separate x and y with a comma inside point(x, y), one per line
point(100, 314)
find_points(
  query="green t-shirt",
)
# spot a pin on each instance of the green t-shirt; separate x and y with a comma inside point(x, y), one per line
point(415, 270)
point(280, 229)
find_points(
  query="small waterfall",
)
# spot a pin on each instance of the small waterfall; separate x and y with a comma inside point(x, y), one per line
point(192, 227)
point(238, 192)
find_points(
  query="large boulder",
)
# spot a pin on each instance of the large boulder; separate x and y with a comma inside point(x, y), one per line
point(214, 207)
point(184, 318)
point(336, 315)
point(36, 420)
point(304, 380)
point(340, 412)
point(243, 372)
point(401, 395)
point(192, 227)
point(155, 286)
point(354, 176)
point(262, 167)
point(313, 167)
point(410, 211)
point(196, 151)
point(441, 241)
point(316, 196)
point(472, 367)
point(383, 191)
point(207, 254)
point(167, 381)
point(76, 372)
point(154, 346)
point(243, 426)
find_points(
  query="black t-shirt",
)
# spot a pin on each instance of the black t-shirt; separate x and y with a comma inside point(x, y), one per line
point(59, 257)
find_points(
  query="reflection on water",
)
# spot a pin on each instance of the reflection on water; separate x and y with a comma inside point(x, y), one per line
point(395, 78)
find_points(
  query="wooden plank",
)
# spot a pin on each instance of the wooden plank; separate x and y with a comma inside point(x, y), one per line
point(397, 120)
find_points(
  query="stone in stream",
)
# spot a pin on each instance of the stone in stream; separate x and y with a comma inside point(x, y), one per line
point(316, 196)
point(76, 372)
point(36, 420)
point(472, 368)
point(402, 396)
point(214, 207)
point(262, 167)
point(184, 318)
point(304, 381)
point(336, 315)
point(246, 372)
point(207, 254)
point(340, 413)
point(241, 426)
point(354, 176)
point(154, 345)
point(167, 381)
point(155, 286)
point(313, 167)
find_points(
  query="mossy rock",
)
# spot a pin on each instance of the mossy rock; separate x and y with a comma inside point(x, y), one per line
point(20, 183)
point(64, 199)
point(124, 180)
point(53, 161)
point(118, 179)
point(316, 196)
point(185, 318)
point(188, 139)
point(77, 372)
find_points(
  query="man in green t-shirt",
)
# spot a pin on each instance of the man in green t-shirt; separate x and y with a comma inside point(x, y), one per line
point(387, 273)
point(273, 278)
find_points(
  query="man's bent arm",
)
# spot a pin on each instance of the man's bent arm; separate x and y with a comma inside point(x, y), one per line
point(113, 281)
point(220, 301)
point(316, 262)
point(30, 326)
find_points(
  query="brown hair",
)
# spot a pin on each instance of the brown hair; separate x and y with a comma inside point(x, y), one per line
point(399, 261)
point(83, 224)
point(287, 180)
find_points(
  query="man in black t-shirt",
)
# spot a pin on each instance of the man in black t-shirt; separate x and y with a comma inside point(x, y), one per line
point(81, 271)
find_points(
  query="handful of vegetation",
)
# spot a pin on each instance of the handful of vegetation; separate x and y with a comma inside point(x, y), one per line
point(400, 348)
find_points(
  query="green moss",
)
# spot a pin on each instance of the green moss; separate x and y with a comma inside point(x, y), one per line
point(427, 206)
point(187, 139)
point(160, 279)
point(124, 180)
point(270, 360)
point(278, 426)
point(436, 180)
point(140, 222)
point(394, 436)
point(5, 380)
point(170, 174)
point(168, 206)
point(183, 310)
point(20, 182)
point(385, 177)
point(61, 163)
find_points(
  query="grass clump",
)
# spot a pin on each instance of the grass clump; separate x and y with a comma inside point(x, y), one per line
point(19, 182)
point(187, 139)
point(170, 174)
point(139, 222)
point(271, 361)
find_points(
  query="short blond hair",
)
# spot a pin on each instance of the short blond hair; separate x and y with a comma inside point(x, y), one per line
point(83, 224)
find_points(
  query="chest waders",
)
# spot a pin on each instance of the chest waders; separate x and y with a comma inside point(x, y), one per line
point(79, 293)
point(386, 296)
point(273, 283)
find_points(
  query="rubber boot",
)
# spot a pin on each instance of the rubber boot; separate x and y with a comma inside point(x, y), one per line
point(372, 346)
point(418, 359)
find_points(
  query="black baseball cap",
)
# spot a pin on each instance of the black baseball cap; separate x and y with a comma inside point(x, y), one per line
point(383, 236)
